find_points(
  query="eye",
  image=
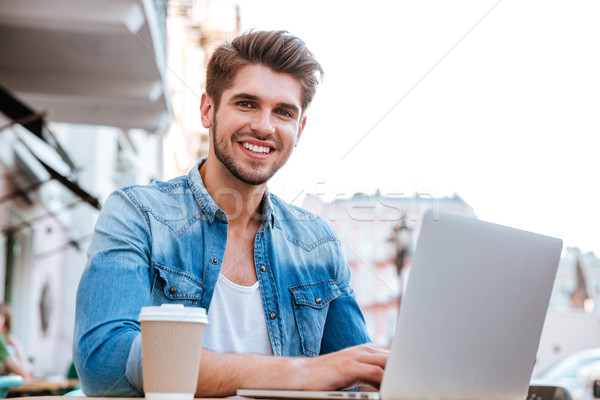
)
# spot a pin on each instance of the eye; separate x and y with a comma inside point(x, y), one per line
point(284, 113)
point(244, 104)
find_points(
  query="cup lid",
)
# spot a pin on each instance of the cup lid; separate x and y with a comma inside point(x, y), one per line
point(173, 312)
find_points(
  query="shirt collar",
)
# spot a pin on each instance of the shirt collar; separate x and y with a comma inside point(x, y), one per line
point(268, 211)
point(208, 205)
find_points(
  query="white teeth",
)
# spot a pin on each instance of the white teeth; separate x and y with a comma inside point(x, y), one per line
point(257, 149)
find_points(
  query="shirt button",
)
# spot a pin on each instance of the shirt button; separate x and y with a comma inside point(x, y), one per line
point(263, 268)
point(172, 290)
point(273, 315)
point(215, 261)
point(318, 300)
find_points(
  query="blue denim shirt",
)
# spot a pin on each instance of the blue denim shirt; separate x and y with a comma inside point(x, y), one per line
point(164, 243)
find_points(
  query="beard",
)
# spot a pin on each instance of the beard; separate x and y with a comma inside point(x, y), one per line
point(254, 174)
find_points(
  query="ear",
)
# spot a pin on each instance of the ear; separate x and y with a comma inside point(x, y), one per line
point(300, 130)
point(206, 110)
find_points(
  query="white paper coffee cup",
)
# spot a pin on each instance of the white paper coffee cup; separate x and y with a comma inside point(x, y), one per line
point(171, 350)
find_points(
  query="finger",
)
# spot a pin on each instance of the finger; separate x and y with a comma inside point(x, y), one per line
point(371, 375)
point(372, 348)
point(379, 360)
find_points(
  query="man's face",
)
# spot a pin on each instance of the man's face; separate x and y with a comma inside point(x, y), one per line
point(257, 124)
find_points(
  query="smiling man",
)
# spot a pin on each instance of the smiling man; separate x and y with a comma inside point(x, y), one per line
point(272, 276)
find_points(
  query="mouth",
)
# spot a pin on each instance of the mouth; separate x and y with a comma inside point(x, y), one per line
point(257, 149)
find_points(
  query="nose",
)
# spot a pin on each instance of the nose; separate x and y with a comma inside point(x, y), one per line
point(262, 123)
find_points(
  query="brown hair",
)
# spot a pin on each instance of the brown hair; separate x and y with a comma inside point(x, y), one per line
point(278, 50)
point(5, 310)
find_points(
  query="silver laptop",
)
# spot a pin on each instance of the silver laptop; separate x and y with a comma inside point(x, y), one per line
point(471, 317)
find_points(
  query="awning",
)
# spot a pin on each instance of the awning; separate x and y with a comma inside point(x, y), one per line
point(34, 122)
point(88, 61)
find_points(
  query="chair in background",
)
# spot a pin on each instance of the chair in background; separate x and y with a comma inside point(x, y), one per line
point(75, 393)
point(72, 374)
point(8, 381)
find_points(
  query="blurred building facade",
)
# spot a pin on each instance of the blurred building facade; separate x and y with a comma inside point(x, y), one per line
point(577, 284)
point(573, 320)
point(82, 108)
point(195, 28)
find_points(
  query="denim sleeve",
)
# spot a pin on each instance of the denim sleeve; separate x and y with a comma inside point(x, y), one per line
point(343, 311)
point(134, 364)
point(114, 286)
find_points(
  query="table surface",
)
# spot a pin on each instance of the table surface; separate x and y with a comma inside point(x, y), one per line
point(92, 398)
point(43, 384)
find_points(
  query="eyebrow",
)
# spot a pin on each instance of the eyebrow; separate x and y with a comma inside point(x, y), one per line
point(247, 96)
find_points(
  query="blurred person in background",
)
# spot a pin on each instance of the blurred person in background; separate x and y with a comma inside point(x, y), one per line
point(12, 356)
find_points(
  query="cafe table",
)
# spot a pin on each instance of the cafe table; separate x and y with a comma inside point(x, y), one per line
point(92, 398)
point(43, 386)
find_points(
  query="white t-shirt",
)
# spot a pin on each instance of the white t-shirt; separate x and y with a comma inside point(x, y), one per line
point(236, 320)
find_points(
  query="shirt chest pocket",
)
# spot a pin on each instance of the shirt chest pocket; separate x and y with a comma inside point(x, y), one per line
point(172, 286)
point(311, 304)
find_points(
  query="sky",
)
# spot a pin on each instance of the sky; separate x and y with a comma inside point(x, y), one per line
point(496, 101)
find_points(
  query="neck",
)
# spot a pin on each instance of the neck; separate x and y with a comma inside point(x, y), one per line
point(240, 201)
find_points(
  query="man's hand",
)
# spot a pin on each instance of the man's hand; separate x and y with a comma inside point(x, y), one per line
point(222, 374)
point(358, 365)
